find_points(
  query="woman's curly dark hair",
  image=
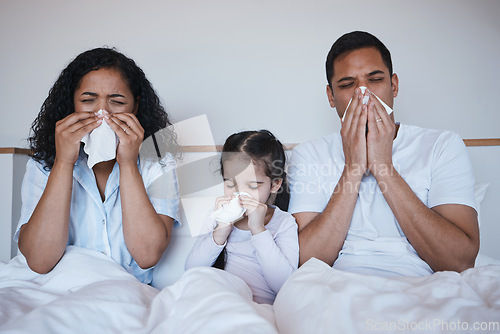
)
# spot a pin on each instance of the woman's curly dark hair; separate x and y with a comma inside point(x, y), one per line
point(60, 103)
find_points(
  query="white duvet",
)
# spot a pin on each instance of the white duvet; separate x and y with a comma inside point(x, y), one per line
point(320, 299)
point(87, 292)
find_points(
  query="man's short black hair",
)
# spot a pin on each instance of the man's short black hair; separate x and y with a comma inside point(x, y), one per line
point(353, 41)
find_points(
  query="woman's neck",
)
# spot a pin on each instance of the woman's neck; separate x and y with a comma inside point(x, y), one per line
point(101, 172)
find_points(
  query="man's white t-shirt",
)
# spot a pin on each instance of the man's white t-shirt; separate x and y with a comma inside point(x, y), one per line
point(435, 165)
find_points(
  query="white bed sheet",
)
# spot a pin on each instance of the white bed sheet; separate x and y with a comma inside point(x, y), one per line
point(87, 292)
point(320, 299)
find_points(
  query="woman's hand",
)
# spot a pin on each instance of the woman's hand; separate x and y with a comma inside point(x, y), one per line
point(256, 212)
point(70, 131)
point(130, 133)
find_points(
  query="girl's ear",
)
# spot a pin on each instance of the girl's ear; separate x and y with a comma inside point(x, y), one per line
point(276, 185)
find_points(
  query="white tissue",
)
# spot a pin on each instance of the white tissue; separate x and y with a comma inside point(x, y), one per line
point(230, 212)
point(365, 101)
point(100, 144)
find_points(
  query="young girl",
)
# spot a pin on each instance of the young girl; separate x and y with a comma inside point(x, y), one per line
point(107, 206)
point(262, 246)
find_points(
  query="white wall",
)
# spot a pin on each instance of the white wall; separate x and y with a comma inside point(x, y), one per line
point(6, 201)
point(259, 64)
point(13, 168)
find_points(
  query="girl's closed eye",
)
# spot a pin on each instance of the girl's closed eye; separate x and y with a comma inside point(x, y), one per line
point(254, 185)
point(229, 183)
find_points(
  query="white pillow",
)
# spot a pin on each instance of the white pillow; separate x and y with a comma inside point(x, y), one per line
point(171, 266)
point(479, 192)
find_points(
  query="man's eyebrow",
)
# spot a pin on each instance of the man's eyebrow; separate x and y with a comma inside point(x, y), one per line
point(376, 72)
point(352, 78)
point(346, 79)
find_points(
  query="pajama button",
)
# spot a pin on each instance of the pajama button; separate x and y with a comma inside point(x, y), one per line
point(103, 221)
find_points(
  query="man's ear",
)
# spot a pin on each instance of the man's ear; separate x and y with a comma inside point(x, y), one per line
point(395, 85)
point(329, 93)
point(276, 185)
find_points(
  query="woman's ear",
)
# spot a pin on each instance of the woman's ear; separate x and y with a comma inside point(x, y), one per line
point(136, 105)
point(276, 185)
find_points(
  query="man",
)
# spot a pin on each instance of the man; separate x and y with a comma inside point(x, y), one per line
point(381, 197)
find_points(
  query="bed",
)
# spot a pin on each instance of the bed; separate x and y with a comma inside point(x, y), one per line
point(87, 292)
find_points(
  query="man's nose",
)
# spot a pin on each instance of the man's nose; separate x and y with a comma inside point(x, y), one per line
point(362, 82)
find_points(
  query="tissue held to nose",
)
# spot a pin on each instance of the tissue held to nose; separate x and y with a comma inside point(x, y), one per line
point(230, 212)
point(100, 144)
point(365, 101)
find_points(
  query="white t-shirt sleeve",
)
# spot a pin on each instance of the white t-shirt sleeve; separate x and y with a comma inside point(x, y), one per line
point(452, 177)
point(306, 193)
point(278, 256)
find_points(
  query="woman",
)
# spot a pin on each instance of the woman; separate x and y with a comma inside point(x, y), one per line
point(105, 207)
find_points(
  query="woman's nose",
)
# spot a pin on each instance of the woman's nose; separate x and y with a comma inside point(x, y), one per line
point(102, 105)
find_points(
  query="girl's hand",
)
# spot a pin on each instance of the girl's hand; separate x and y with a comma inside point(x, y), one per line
point(130, 133)
point(70, 131)
point(222, 230)
point(256, 213)
point(223, 200)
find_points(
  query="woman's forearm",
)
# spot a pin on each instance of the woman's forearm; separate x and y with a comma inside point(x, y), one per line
point(146, 233)
point(43, 239)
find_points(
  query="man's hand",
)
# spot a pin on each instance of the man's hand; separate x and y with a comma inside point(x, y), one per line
point(380, 137)
point(353, 134)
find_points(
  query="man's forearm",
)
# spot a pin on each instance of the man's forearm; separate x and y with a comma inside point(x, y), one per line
point(324, 235)
point(445, 238)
